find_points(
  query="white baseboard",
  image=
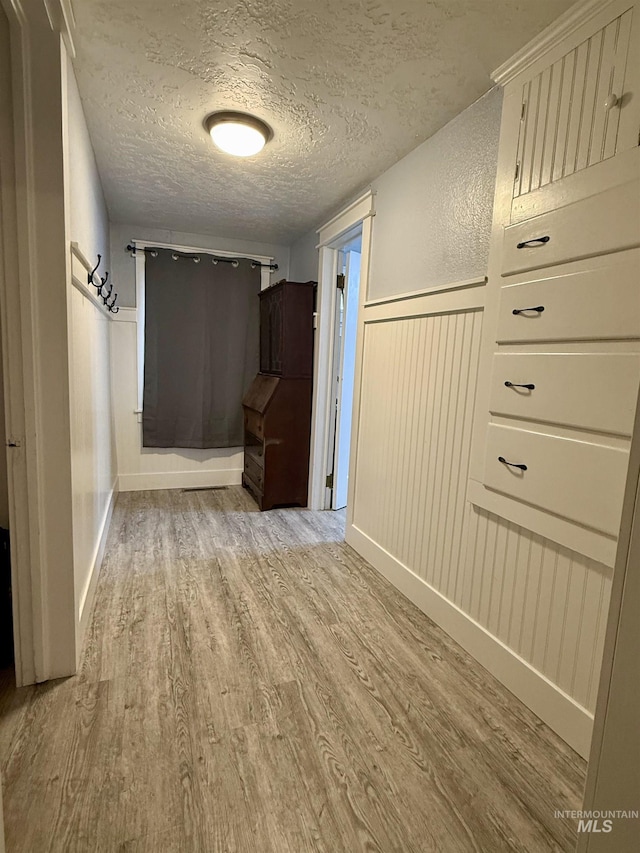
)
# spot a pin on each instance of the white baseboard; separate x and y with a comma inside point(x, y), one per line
point(559, 711)
point(89, 591)
point(179, 479)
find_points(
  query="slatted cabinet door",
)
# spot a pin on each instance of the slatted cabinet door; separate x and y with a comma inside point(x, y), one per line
point(571, 111)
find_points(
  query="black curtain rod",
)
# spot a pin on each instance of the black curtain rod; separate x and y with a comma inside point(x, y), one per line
point(195, 256)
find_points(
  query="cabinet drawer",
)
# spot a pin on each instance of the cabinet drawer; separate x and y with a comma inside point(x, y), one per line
point(253, 471)
point(607, 222)
point(588, 391)
point(598, 304)
point(574, 479)
point(254, 423)
point(256, 453)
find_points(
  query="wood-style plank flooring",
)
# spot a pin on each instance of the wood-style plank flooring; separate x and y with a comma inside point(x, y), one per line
point(250, 685)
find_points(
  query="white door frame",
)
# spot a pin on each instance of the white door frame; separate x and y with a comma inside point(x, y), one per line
point(33, 282)
point(17, 331)
point(332, 424)
point(331, 236)
point(343, 391)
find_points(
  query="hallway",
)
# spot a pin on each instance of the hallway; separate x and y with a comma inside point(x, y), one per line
point(249, 683)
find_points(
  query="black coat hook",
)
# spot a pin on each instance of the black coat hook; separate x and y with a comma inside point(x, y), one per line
point(91, 274)
point(111, 306)
point(103, 281)
point(105, 297)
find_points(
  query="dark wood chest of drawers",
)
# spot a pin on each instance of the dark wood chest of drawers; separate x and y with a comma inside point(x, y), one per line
point(277, 406)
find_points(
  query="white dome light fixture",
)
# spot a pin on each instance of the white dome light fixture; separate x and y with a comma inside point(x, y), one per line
point(239, 134)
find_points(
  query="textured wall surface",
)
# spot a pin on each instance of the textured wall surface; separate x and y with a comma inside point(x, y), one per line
point(124, 268)
point(349, 87)
point(434, 207)
point(303, 260)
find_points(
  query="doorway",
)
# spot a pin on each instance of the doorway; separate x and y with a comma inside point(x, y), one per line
point(343, 370)
point(341, 240)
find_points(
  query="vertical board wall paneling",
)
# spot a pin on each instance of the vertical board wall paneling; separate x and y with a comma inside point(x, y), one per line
point(414, 449)
point(542, 601)
point(546, 603)
point(92, 450)
point(93, 457)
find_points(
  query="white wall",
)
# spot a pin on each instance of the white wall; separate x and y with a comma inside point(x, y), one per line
point(88, 216)
point(124, 265)
point(303, 260)
point(93, 458)
point(434, 207)
point(157, 468)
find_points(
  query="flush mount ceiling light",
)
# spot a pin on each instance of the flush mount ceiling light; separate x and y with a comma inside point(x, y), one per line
point(239, 134)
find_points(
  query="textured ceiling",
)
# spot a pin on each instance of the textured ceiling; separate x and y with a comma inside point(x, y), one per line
point(349, 87)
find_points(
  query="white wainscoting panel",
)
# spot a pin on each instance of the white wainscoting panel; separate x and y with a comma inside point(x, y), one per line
point(545, 602)
point(533, 612)
point(155, 468)
point(418, 394)
point(92, 446)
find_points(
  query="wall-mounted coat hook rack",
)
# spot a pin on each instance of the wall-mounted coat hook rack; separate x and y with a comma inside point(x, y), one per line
point(105, 298)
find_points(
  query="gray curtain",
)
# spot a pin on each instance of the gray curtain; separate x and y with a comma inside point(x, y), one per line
point(201, 350)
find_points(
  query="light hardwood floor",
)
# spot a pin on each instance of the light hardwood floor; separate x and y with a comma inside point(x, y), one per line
point(250, 685)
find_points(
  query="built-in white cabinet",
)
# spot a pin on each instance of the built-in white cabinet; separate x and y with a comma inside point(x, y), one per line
point(572, 109)
point(560, 363)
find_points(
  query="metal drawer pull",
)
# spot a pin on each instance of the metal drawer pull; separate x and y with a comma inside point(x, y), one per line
point(533, 242)
point(512, 464)
point(529, 385)
point(538, 308)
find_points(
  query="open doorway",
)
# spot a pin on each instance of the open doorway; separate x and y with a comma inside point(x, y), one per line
point(343, 370)
point(344, 244)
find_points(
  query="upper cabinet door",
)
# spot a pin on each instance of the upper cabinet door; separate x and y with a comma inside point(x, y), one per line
point(571, 111)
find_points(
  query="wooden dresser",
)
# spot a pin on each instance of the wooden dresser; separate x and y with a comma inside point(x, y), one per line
point(277, 406)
